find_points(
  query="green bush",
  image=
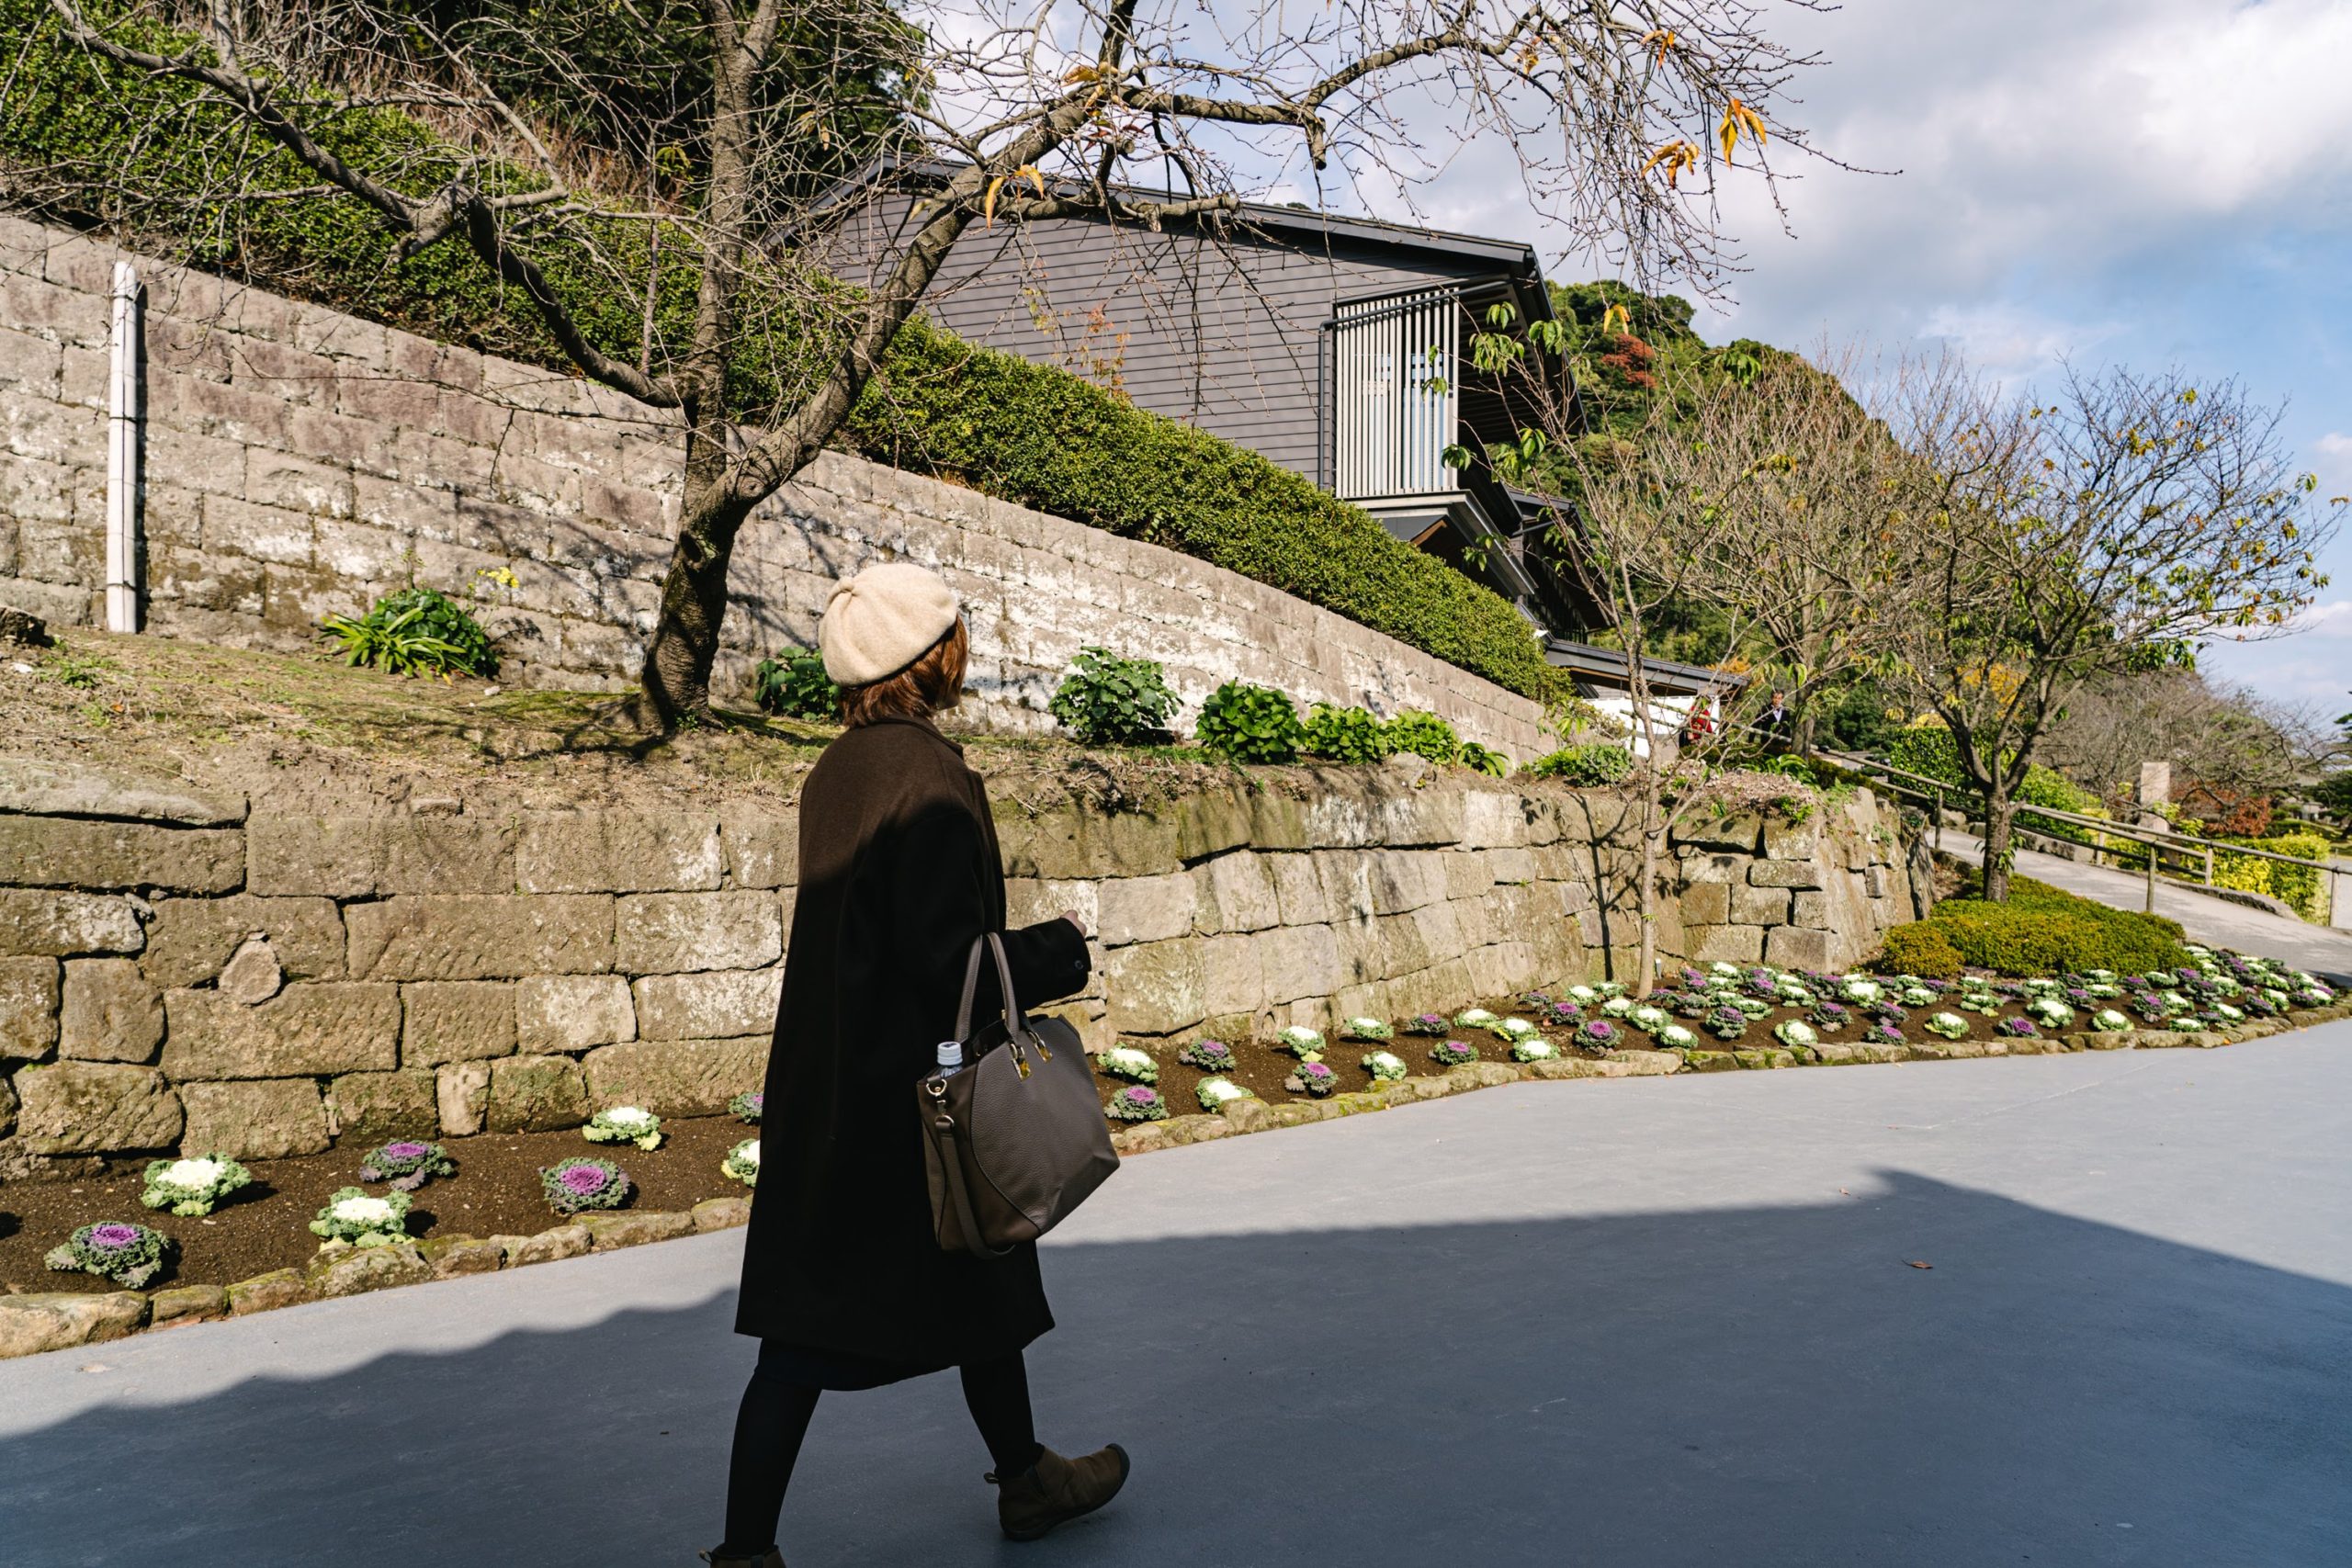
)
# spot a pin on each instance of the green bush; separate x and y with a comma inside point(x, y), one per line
point(1028, 434)
point(1584, 766)
point(2044, 930)
point(796, 686)
point(1344, 735)
point(1249, 724)
point(1920, 948)
point(1483, 760)
point(418, 631)
point(1424, 735)
point(2301, 887)
point(1110, 701)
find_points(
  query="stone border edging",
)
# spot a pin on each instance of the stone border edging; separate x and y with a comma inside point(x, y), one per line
point(62, 1320)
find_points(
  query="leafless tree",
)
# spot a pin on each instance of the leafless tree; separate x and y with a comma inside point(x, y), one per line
point(2109, 526)
point(1624, 116)
point(2230, 735)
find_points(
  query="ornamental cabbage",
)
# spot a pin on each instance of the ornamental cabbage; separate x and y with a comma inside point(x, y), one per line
point(1303, 1043)
point(1215, 1094)
point(2109, 1021)
point(407, 1164)
point(1795, 1033)
point(742, 1162)
point(1860, 992)
point(1479, 1018)
point(112, 1249)
point(1617, 1007)
point(1674, 1037)
point(1453, 1052)
point(361, 1220)
point(572, 1185)
point(1208, 1055)
point(1534, 1049)
point(1384, 1067)
point(625, 1124)
point(1126, 1061)
point(189, 1187)
point(1366, 1029)
point(1136, 1103)
point(1950, 1025)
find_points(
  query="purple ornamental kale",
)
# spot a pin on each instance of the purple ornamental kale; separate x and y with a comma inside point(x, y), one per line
point(1599, 1035)
point(112, 1234)
point(2016, 1029)
point(1883, 1034)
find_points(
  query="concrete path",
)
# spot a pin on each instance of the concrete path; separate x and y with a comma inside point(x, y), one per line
point(2218, 922)
point(1640, 1324)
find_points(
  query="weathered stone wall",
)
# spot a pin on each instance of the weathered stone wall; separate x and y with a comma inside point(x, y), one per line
point(300, 463)
point(179, 971)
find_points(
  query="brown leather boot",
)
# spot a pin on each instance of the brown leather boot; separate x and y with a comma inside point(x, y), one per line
point(1057, 1490)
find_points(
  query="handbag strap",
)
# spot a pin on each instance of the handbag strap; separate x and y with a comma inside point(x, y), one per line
point(951, 1166)
point(994, 944)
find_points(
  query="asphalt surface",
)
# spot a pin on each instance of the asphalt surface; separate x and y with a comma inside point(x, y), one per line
point(1627, 1323)
point(2218, 922)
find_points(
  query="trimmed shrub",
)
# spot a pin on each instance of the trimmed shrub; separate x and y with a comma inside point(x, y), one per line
point(1110, 701)
point(2299, 888)
point(1249, 724)
point(1344, 735)
point(1424, 735)
point(2044, 930)
point(1920, 948)
point(796, 686)
point(1584, 766)
point(418, 631)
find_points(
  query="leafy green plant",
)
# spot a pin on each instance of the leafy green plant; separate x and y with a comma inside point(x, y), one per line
point(1585, 767)
point(1249, 724)
point(1483, 760)
point(796, 686)
point(1107, 700)
point(77, 671)
point(1344, 735)
point(418, 631)
point(1424, 735)
point(1921, 948)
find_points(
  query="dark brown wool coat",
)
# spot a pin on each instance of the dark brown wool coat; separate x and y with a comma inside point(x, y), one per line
point(898, 872)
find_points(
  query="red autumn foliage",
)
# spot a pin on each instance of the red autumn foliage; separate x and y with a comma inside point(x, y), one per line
point(2227, 813)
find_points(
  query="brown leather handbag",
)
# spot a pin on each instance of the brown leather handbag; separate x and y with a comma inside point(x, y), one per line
point(1016, 1140)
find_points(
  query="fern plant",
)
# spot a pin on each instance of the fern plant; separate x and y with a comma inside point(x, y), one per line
point(1343, 735)
point(796, 686)
point(1249, 724)
point(1424, 735)
point(1110, 701)
point(418, 631)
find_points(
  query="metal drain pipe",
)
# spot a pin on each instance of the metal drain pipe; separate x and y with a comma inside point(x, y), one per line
point(126, 443)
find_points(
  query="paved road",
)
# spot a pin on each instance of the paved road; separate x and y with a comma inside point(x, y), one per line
point(2319, 949)
point(1634, 1324)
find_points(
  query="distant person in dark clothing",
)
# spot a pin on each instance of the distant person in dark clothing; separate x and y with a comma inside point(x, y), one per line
point(1777, 724)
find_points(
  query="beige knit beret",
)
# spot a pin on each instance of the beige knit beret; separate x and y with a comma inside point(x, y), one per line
point(882, 620)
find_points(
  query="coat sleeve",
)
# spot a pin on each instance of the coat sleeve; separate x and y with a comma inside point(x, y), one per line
point(942, 905)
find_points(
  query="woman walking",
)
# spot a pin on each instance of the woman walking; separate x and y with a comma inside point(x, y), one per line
point(844, 1285)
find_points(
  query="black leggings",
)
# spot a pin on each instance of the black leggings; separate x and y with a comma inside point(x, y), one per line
point(774, 1418)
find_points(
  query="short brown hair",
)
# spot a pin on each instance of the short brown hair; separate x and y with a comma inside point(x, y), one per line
point(934, 682)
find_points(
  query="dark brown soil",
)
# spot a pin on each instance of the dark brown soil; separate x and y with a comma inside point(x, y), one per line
point(266, 1226)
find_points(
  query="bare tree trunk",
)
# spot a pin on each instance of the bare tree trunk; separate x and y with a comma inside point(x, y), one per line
point(2000, 834)
point(1645, 909)
point(675, 682)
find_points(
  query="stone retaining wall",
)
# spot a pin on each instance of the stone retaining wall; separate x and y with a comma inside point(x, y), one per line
point(300, 463)
point(177, 971)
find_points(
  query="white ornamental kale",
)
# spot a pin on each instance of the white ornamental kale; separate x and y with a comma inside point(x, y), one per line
point(1584, 995)
point(1367, 1028)
point(190, 1188)
point(2049, 1013)
point(1674, 1037)
point(1512, 1029)
point(1302, 1042)
point(742, 1163)
point(1725, 971)
point(1795, 996)
point(1215, 1093)
point(1611, 987)
point(1794, 1032)
point(1861, 992)
point(1385, 1067)
point(1950, 1025)
point(1534, 1050)
point(361, 1220)
point(1617, 1007)
point(1126, 1061)
point(2109, 1021)
point(625, 1124)
point(1479, 1018)
point(1915, 996)
point(1648, 1020)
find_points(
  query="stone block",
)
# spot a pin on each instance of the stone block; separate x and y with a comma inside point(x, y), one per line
point(1301, 962)
point(59, 1320)
point(190, 940)
point(721, 1215)
point(1791, 841)
point(1758, 907)
point(676, 1078)
point(252, 976)
point(1145, 909)
point(109, 1013)
point(620, 852)
point(329, 1026)
point(364, 1269)
point(1707, 870)
point(1707, 904)
point(1298, 889)
point(267, 1292)
point(761, 844)
point(548, 1246)
point(61, 925)
point(187, 1303)
point(265, 1119)
point(665, 933)
point(460, 1020)
point(1795, 947)
point(535, 1094)
point(1233, 975)
point(572, 1012)
point(37, 785)
point(1739, 834)
point(94, 1108)
point(1242, 892)
point(708, 1005)
point(367, 1108)
point(65, 852)
point(461, 1097)
point(481, 937)
point(453, 1256)
point(353, 857)
point(1155, 987)
point(607, 1232)
point(1784, 874)
point(1813, 910)
point(1726, 945)
point(28, 1000)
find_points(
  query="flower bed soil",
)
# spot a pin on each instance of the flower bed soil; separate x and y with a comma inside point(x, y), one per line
point(266, 1225)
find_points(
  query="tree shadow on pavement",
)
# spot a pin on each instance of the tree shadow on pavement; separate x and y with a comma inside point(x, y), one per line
point(1747, 1387)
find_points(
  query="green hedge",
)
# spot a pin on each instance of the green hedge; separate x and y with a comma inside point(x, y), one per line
point(2040, 931)
point(1025, 433)
point(2302, 888)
